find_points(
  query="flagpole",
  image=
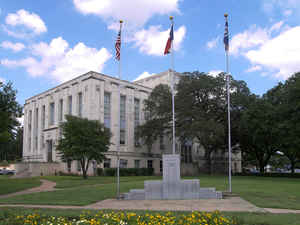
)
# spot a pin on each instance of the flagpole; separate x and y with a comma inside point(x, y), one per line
point(119, 123)
point(172, 88)
point(228, 109)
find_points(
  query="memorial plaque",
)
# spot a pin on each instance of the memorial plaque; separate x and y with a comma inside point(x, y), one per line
point(171, 168)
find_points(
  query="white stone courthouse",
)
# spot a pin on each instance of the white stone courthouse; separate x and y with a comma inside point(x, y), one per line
point(96, 96)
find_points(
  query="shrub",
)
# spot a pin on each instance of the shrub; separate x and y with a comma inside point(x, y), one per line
point(290, 175)
point(128, 171)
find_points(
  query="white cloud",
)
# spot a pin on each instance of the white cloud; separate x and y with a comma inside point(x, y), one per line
point(215, 73)
point(24, 19)
point(60, 62)
point(143, 75)
point(2, 80)
point(288, 12)
point(134, 13)
point(253, 69)
point(250, 38)
point(16, 47)
point(21, 120)
point(153, 40)
point(279, 55)
point(253, 37)
point(213, 43)
point(286, 7)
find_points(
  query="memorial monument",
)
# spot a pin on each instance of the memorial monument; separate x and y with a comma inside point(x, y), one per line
point(172, 187)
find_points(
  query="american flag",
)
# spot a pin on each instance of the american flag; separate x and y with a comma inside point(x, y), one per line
point(226, 36)
point(118, 46)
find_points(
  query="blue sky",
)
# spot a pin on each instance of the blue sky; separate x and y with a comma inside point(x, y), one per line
point(44, 43)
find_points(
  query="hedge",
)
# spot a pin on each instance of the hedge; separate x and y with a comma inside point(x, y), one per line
point(290, 175)
point(125, 171)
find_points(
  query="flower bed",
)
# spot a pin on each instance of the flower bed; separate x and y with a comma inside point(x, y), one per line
point(130, 218)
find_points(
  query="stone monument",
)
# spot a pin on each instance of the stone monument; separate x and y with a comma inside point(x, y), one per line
point(172, 187)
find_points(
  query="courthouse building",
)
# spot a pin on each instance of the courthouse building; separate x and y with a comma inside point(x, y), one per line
point(96, 96)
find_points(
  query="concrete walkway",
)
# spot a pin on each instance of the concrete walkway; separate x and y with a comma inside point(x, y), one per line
point(45, 186)
point(229, 203)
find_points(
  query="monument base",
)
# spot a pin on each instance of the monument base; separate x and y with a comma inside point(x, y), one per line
point(172, 187)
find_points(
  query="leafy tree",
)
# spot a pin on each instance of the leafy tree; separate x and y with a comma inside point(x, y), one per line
point(258, 131)
point(201, 111)
point(83, 140)
point(286, 98)
point(9, 111)
point(158, 115)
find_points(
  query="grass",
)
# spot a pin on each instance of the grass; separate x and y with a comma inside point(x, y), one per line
point(77, 181)
point(265, 192)
point(243, 218)
point(8, 185)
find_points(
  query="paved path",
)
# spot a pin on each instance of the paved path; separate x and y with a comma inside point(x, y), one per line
point(45, 186)
point(230, 203)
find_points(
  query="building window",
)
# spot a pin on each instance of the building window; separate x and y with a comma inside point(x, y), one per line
point(161, 166)
point(136, 120)
point(150, 164)
point(123, 163)
point(186, 153)
point(52, 108)
point(42, 141)
point(70, 105)
point(69, 165)
point(60, 113)
point(78, 166)
point(80, 104)
point(29, 129)
point(122, 119)
point(43, 116)
point(106, 163)
point(36, 128)
point(161, 142)
point(137, 163)
point(107, 109)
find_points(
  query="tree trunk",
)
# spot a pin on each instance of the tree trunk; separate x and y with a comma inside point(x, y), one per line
point(84, 170)
point(208, 161)
point(261, 167)
point(292, 166)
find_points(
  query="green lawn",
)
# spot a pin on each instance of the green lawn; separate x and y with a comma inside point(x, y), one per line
point(242, 218)
point(76, 181)
point(8, 185)
point(264, 192)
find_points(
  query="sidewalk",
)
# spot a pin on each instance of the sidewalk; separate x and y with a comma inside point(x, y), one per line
point(228, 204)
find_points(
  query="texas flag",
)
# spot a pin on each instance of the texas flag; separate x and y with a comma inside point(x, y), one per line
point(169, 42)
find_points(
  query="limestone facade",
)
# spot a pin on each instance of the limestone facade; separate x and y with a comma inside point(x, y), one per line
point(96, 96)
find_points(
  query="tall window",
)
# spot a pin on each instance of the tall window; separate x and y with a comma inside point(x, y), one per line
point(161, 142)
point(29, 129)
point(150, 164)
point(136, 163)
point(123, 163)
point(122, 119)
point(136, 120)
point(106, 163)
point(107, 109)
point(43, 116)
point(51, 110)
point(36, 128)
point(70, 105)
point(80, 104)
point(60, 108)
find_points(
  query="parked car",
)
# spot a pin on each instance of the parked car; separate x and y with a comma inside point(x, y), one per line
point(7, 172)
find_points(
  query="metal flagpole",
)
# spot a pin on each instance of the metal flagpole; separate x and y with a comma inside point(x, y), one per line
point(172, 88)
point(119, 122)
point(228, 106)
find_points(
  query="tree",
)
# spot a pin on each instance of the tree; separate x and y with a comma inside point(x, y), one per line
point(158, 115)
point(259, 135)
point(200, 108)
point(9, 111)
point(83, 140)
point(286, 98)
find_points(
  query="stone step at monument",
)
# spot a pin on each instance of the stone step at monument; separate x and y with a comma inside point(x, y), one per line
point(135, 194)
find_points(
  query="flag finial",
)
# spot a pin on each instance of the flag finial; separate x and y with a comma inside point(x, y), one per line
point(171, 17)
point(225, 15)
point(121, 21)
